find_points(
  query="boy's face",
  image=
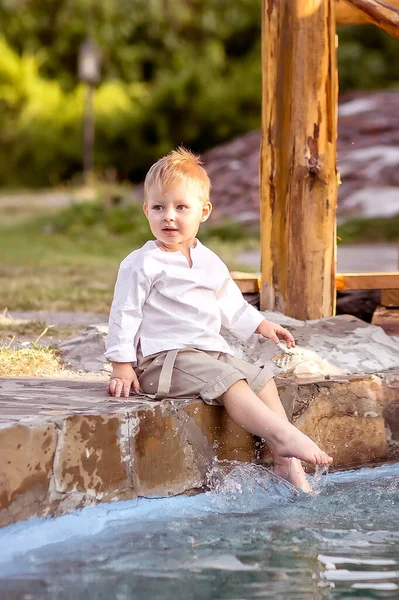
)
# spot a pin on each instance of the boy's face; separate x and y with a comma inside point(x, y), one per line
point(175, 215)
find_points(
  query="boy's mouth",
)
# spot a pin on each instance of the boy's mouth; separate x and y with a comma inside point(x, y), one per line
point(169, 229)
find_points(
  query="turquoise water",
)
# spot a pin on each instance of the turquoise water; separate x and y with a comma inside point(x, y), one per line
point(250, 537)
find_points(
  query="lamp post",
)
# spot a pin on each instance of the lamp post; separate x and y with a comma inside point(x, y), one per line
point(89, 73)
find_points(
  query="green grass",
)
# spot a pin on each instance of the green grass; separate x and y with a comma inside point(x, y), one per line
point(68, 261)
point(53, 272)
point(381, 229)
point(23, 329)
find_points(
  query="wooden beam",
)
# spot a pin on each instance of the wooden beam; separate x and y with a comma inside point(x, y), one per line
point(250, 282)
point(379, 13)
point(298, 178)
point(348, 14)
point(368, 281)
point(390, 298)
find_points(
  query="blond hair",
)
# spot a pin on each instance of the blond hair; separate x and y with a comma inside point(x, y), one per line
point(178, 166)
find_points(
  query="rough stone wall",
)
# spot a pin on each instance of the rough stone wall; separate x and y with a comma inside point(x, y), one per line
point(74, 448)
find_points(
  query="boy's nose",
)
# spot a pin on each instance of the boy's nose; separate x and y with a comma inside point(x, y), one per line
point(169, 215)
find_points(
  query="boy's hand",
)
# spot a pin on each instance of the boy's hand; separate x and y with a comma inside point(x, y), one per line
point(275, 333)
point(121, 380)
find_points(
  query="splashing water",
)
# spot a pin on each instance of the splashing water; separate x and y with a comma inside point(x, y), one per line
point(249, 536)
point(238, 481)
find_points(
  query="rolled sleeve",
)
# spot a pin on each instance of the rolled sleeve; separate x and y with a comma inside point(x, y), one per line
point(131, 291)
point(237, 314)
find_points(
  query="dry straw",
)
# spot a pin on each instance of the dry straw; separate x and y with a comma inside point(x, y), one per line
point(29, 359)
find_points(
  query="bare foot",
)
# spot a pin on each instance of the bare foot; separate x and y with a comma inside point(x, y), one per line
point(292, 471)
point(289, 442)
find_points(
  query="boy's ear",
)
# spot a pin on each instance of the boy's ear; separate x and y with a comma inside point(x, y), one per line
point(206, 211)
point(145, 209)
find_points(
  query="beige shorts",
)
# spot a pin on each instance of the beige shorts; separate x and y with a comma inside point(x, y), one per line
point(191, 373)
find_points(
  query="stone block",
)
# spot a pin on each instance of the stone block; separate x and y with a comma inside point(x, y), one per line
point(391, 416)
point(226, 440)
point(26, 459)
point(92, 457)
point(346, 420)
point(351, 441)
point(288, 393)
point(165, 463)
point(98, 450)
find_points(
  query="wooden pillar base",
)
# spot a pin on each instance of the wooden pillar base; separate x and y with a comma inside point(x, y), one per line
point(298, 178)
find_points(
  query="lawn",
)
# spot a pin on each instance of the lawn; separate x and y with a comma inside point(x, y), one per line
point(67, 260)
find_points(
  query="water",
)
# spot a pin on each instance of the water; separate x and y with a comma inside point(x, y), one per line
point(250, 537)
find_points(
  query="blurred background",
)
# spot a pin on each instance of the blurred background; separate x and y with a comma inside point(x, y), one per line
point(92, 93)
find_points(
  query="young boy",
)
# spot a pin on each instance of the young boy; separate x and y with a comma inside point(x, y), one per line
point(171, 298)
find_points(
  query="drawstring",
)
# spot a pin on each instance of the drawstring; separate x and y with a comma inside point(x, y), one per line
point(165, 377)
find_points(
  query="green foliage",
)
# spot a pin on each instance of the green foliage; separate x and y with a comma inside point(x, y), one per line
point(367, 58)
point(228, 231)
point(36, 115)
point(41, 124)
point(173, 71)
point(136, 122)
point(96, 220)
point(69, 261)
point(140, 40)
point(381, 229)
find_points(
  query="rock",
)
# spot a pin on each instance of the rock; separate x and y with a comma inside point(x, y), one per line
point(368, 161)
point(59, 319)
point(388, 318)
point(26, 462)
point(86, 351)
point(65, 445)
point(346, 420)
point(330, 347)
point(165, 462)
point(91, 456)
point(334, 346)
point(359, 303)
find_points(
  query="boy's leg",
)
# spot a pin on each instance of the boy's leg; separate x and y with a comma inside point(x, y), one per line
point(288, 468)
point(269, 396)
point(247, 410)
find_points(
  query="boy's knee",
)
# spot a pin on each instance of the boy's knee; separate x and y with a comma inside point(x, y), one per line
point(268, 387)
point(239, 385)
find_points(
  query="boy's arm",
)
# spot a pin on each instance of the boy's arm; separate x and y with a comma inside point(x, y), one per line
point(243, 319)
point(131, 290)
point(121, 380)
point(275, 332)
point(237, 314)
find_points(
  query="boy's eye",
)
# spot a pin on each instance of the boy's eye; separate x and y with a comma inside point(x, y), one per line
point(157, 207)
point(181, 207)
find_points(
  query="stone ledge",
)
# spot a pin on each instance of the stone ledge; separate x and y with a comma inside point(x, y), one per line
point(65, 445)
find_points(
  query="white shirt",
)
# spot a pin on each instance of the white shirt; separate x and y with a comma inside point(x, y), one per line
point(163, 303)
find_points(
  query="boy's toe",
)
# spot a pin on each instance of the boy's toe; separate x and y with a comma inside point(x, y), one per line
point(327, 460)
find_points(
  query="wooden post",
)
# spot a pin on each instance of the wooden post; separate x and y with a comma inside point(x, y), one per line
point(298, 179)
